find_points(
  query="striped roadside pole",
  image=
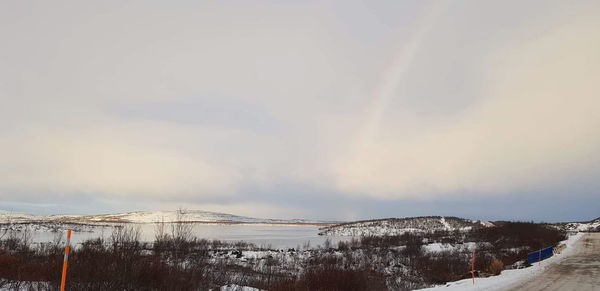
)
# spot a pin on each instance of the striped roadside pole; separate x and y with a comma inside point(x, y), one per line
point(473, 267)
point(65, 261)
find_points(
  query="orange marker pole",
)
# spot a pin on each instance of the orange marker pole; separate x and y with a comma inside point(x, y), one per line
point(65, 261)
point(473, 267)
point(540, 258)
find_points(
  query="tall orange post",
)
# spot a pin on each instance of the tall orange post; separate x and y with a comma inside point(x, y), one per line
point(540, 258)
point(473, 267)
point(65, 261)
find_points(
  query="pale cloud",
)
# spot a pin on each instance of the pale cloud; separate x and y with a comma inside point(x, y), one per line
point(208, 104)
point(537, 121)
point(107, 163)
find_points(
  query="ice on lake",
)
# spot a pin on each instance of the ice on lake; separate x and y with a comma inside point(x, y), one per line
point(266, 235)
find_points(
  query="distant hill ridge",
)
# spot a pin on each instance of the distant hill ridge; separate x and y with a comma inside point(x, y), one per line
point(198, 216)
point(373, 227)
point(397, 226)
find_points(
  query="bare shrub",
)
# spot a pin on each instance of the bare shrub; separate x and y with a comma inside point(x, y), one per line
point(125, 235)
point(441, 267)
point(335, 279)
point(306, 245)
point(181, 230)
point(5, 228)
point(327, 244)
point(160, 233)
point(495, 266)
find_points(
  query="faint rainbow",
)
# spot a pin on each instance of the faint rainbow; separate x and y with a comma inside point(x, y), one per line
point(398, 66)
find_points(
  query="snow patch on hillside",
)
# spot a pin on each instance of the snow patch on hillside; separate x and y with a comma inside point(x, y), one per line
point(18, 217)
point(442, 247)
point(593, 225)
point(233, 287)
point(445, 224)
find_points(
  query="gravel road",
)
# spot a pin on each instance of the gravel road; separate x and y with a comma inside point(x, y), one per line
point(578, 271)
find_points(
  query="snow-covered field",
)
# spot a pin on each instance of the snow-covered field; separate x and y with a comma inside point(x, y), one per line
point(233, 287)
point(508, 277)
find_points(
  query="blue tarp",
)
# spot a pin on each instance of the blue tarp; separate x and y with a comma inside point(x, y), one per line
point(535, 256)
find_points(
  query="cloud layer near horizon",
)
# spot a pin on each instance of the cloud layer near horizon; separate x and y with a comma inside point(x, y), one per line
point(212, 105)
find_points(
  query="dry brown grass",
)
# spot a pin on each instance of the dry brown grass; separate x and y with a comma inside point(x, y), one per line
point(495, 266)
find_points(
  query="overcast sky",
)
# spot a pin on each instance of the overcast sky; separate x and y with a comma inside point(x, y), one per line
point(302, 109)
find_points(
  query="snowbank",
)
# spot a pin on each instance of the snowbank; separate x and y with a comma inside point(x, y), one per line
point(233, 287)
point(508, 277)
point(583, 226)
point(441, 247)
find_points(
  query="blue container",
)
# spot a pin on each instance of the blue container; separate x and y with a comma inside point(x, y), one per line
point(540, 254)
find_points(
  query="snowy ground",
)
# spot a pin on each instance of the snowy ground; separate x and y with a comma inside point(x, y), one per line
point(233, 287)
point(586, 226)
point(508, 277)
point(441, 247)
point(25, 285)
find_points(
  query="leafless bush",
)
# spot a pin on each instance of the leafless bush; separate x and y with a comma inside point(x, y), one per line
point(181, 230)
point(335, 279)
point(306, 245)
point(160, 233)
point(327, 244)
point(125, 235)
point(495, 266)
point(5, 228)
point(57, 239)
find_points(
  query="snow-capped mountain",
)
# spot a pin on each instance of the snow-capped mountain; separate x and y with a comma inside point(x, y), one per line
point(397, 226)
point(145, 217)
point(170, 216)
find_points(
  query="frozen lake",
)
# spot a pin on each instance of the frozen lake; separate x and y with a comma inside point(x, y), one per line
point(275, 236)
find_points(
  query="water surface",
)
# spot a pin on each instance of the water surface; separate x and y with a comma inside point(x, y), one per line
point(266, 235)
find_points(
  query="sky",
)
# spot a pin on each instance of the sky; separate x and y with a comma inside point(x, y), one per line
point(333, 110)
